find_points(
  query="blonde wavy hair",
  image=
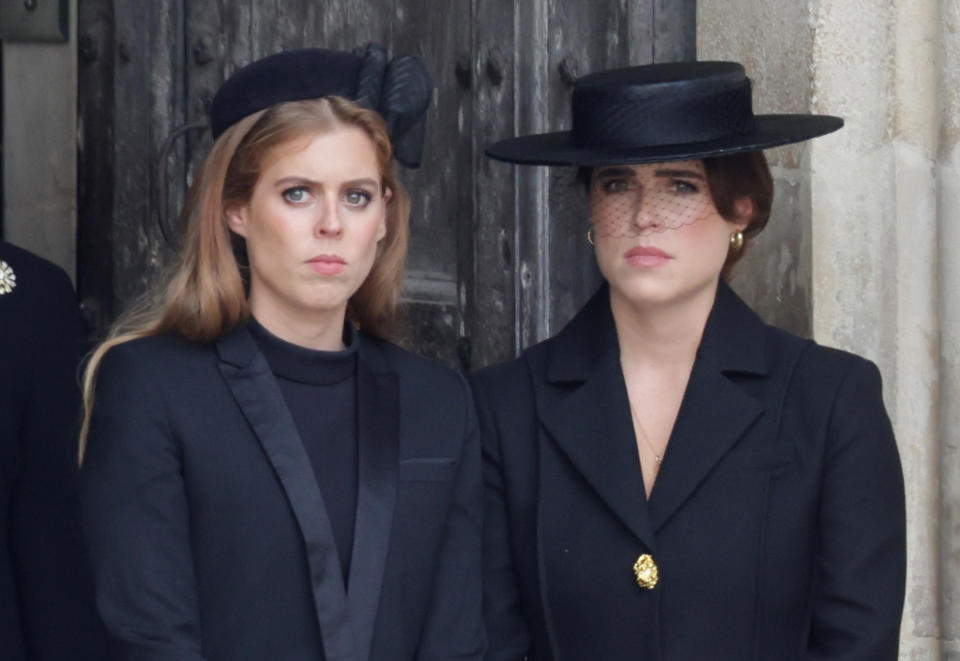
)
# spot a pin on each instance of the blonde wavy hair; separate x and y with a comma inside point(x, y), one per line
point(205, 293)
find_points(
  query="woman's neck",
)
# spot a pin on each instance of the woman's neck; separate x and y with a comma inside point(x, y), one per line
point(661, 335)
point(321, 329)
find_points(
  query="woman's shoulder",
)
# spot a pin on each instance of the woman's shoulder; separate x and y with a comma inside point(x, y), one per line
point(414, 371)
point(815, 355)
point(33, 270)
point(500, 374)
point(508, 385)
point(156, 355)
point(533, 360)
point(431, 396)
point(36, 297)
point(820, 369)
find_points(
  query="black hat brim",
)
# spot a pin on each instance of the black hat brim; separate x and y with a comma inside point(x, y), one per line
point(558, 148)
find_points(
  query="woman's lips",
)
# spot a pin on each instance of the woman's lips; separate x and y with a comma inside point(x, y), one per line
point(327, 264)
point(647, 256)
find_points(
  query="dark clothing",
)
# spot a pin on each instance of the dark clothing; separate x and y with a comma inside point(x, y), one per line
point(776, 521)
point(320, 389)
point(46, 593)
point(211, 538)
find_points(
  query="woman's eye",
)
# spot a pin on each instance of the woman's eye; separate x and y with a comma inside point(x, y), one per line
point(358, 198)
point(615, 185)
point(681, 186)
point(296, 195)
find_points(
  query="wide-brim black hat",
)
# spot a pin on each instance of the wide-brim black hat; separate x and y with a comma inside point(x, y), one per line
point(662, 112)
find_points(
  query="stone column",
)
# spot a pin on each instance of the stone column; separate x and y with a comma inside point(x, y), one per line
point(882, 216)
point(774, 275)
point(947, 177)
point(40, 146)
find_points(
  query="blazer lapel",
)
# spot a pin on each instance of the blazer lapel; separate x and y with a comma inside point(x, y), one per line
point(713, 416)
point(377, 424)
point(256, 391)
point(582, 403)
point(583, 406)
point(716, 411)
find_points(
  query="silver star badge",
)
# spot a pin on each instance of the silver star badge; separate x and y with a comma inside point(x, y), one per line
point(8, 279)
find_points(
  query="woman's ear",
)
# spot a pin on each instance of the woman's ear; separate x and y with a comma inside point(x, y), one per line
point(382, 227)
point(743, 211)
point(237, 220)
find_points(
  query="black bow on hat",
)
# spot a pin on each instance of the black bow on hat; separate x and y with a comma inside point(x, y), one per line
point(400, 90)
point(662, 112)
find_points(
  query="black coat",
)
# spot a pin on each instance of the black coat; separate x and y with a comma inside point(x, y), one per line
point(208, 531)
point(776, 522)
point(46, 594)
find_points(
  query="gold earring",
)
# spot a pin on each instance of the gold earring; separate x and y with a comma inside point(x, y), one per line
point(590, 236)
point(736, 241)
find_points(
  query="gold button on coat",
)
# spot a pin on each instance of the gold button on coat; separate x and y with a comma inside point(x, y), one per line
point(645, 569)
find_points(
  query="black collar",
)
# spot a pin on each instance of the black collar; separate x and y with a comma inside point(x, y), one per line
point(583, 406)
point(733, 339)
point(238, 348)
point(296, 363)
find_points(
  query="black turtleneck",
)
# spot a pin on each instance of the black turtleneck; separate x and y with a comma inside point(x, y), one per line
point(320, 389)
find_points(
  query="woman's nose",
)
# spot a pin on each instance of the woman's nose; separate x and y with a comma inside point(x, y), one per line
point(328, 221)
point(648, 212)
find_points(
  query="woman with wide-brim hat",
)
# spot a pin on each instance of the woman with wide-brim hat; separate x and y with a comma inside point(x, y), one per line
point(669, 477)
point(267, 476)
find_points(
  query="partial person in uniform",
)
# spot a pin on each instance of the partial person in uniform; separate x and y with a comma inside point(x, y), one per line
point(46, 592)
point(670, 478)
point(265, 475)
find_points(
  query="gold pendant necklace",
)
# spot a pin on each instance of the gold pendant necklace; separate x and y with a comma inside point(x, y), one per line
point(657, 456)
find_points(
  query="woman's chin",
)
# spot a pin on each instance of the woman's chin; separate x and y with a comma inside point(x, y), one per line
point(661, 292)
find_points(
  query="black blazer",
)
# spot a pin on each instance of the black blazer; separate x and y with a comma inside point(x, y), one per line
point(46, 592)
point(208, 531)
point(776, 522)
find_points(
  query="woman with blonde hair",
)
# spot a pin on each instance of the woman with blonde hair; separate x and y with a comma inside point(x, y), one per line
point(266, 476)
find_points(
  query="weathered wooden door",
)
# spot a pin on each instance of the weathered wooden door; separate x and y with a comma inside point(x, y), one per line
point(497, 261)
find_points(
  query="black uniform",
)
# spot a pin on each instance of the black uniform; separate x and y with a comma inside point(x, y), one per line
point(776, 521)
point(216, 528)
point(46, 595)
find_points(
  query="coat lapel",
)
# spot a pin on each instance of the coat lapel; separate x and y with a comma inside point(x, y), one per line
point(713, 416)
point(582, 403)
point(716, 411)
point(377, 424)
point(583, 406)
point(256, 392)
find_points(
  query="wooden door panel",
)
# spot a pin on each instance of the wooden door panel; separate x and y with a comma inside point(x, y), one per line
point(492, 292)
point(570, 270)
point(129, 96)
point(441, 200)
point(497, 255)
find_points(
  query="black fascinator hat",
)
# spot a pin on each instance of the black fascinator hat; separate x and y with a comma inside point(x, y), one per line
point(662, 112)
point(399, 89)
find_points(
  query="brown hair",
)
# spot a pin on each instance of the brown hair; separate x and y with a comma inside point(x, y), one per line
point(735, 177)
point(205, 294)
point(730, 178)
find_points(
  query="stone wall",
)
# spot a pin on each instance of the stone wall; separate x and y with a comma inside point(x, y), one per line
point(39, 147)
point(879, 206)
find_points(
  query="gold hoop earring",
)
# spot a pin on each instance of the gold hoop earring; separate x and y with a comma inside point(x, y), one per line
point(736, 241)
point(590, 236)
